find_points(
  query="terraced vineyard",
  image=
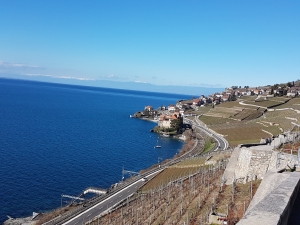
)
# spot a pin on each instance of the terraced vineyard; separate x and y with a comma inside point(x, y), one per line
point(294, 103)
point(232, 104)
point(274, 130)
point(248, 114)
point(248, 98)
point(184, 201)
point(281, 118)
point(210, 120)
point(265, 104)
point(241, 133)
point(268, 102)
point(203, 110)
point(256, 114)
point(248, 124)
point(182, 169)
point(223, 112)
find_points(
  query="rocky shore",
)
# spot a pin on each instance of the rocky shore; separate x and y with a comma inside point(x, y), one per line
point(30, 220)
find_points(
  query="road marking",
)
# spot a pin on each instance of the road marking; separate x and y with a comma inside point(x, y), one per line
point(120, 196)
point(101, 207)
point(111, 201)
point(89, 214)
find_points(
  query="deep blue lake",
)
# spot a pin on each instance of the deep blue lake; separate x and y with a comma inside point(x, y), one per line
point(60, 139)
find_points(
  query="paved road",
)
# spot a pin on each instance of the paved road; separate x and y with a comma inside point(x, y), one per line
point(222, 142)
point(108, 203)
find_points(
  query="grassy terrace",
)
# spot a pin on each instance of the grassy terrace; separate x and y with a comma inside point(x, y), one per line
point(175, 172)
point(211, 120)
point(248, 114)
point(241, 133)
point(183, 169)
point(293, 103)
point(266, 103)
point(280, 118)
point(223, 112)
point(248, 98)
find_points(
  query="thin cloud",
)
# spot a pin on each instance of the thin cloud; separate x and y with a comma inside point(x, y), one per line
point(16, 65)
point(59, 77)
point(205, 85)
point(113, 77)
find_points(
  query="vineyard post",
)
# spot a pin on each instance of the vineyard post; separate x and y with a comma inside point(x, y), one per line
point(221, 184)
point(233, 187)
point(207, 216)
point(187, 218)
point(166, 211)
point(208, 185)
point(227, 209)
point(251, 189)
point(194, 188)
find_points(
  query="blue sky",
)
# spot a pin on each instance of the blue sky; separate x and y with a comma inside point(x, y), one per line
point(188, 43)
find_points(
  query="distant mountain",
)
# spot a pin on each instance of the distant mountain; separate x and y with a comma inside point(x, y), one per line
point(138, 86)
point(196, 91)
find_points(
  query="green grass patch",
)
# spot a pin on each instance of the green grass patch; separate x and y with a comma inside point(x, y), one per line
point(208, 146)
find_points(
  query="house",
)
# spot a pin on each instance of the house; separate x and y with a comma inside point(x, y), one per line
point(225, 98)
point(257, 91)
point(148, 108)
point(162, 108)
point(181, 111)
point(196, 102)
point(172, 108)
point(240, 92)
point(293, 91)
point(179, 105)
point(249, 92)
point(164, 121)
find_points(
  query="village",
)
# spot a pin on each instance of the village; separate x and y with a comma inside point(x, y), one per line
point(167, 116)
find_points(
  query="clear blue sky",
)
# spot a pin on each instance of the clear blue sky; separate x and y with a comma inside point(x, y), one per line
point(190, 43)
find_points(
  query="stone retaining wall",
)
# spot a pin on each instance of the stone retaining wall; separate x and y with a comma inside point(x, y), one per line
point(253, 162)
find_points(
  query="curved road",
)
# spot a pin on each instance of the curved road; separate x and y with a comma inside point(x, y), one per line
point(222, 142)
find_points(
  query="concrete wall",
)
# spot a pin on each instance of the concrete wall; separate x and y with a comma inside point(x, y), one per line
point(273, 200)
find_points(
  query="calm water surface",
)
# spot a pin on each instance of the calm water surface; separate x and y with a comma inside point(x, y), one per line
point(59, 139)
